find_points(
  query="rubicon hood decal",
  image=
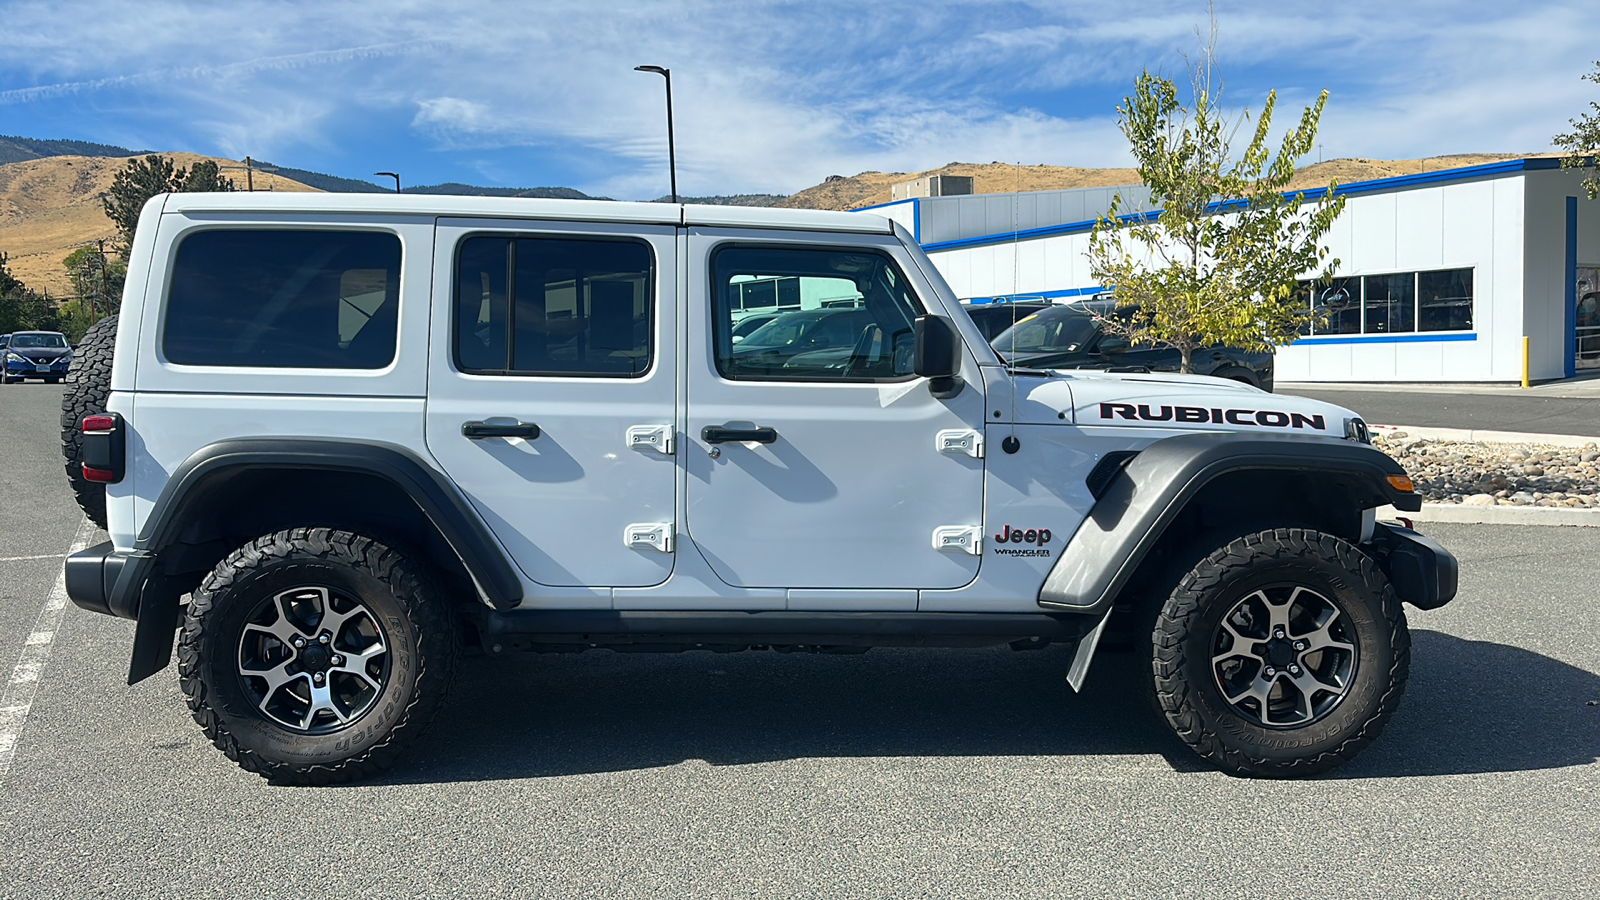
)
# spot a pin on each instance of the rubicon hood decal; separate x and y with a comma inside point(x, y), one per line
point(1269, 418)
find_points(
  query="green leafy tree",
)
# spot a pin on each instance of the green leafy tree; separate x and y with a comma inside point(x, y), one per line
point(1220, 260)
point(97, 280)
point(147, 176)
point(21, 307)
point(1583, 142)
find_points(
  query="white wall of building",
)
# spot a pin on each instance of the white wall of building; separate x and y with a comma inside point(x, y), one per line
point(1507, 225)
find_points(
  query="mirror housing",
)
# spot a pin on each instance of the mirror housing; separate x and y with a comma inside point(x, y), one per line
point(937, 356)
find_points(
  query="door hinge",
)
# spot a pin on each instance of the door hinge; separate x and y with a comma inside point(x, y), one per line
point(649, 536)
point(958, 539)
point(651, 437)
point(960, 440)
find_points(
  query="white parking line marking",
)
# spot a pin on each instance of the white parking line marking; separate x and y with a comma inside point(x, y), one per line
point(17, 698)
point(4, 559)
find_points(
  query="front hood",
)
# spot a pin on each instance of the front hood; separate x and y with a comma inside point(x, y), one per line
point(1165, 401)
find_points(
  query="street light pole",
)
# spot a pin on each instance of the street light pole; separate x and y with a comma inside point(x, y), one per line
point(394, 175)
point(672, 156)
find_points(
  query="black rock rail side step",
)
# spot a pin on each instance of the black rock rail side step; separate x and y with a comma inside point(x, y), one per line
point(602, 628)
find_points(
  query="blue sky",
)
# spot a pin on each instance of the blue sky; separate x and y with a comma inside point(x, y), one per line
point(768, 96)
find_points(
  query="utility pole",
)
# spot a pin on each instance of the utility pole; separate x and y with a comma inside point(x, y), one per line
point(249, 175)
point(102, 245)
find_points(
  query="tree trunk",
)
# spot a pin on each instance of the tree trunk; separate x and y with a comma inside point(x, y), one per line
point(1188, 360)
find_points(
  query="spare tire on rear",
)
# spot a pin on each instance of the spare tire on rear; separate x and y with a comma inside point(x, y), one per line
point(88, 386)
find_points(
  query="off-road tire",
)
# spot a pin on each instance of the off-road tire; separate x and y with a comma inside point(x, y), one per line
point(419, 631)
point(88, 386)
point(1186, 638)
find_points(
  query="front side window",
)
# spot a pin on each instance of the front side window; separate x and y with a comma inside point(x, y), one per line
point(553, 306)
point(832, 315)
point(284, 299)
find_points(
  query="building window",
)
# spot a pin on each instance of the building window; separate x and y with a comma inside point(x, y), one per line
point(1392, 303)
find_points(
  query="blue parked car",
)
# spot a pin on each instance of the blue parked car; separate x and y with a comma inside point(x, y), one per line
point(36, 354)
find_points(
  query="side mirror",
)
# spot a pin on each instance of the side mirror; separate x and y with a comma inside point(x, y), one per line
point(937, 355)
point(1112, 343)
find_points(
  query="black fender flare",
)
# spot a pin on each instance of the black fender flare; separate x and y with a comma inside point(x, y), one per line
point(1137, 504)
point(139, 592)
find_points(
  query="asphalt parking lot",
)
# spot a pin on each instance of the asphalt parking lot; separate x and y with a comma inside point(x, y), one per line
point(894, 773)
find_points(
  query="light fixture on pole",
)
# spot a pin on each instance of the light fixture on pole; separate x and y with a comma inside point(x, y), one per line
point(672, 157)
point(394, 175)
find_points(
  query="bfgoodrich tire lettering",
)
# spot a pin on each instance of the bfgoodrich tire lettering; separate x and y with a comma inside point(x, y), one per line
point(403, 623)
point(88, 387)
point(1348, 625)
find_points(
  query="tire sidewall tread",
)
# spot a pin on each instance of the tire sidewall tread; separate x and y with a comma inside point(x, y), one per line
point(1185, 627)
point(419, 630)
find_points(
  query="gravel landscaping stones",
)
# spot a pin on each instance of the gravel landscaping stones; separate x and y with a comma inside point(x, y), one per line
point(1476, 473)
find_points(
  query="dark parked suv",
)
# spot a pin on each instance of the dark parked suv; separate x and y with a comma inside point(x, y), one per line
point(1073, 337)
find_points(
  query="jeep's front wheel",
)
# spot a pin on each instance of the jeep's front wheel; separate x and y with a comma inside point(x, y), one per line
point(1282, 653)
point(313, 655)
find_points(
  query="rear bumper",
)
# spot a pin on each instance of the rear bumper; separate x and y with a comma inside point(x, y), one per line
point(103, 580)
point(1423, 573)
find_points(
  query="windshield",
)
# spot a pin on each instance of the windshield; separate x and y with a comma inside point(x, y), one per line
point(51, 341)
point(1060, 329)
point(828, 329)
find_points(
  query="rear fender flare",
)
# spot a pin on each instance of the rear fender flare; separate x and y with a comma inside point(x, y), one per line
point(141, 593)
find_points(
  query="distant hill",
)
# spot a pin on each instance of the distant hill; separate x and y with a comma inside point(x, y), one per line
point(50, 206)
point(457, 189)
point(333, 184)
point(730, 200)
point(17, 149)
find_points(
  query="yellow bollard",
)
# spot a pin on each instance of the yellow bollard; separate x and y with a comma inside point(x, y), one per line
point(1524, 362)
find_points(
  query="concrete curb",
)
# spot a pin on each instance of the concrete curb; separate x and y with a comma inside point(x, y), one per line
point(1490, 437)
point(1496, 515)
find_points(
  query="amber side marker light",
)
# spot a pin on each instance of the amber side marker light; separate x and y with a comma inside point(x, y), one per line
point(1402, 483)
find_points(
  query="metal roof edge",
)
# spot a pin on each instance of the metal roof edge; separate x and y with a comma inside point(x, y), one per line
point(1354, 188)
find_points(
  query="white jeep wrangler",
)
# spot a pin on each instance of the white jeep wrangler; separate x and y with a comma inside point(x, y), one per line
point(343, 436)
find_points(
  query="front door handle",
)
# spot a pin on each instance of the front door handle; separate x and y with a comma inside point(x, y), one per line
point(476, 430)
point(719, 434)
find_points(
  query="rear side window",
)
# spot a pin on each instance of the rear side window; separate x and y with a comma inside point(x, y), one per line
point(284, 299)
point(553, 306)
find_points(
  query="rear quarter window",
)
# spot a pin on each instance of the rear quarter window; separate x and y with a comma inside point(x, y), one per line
point(284, 299)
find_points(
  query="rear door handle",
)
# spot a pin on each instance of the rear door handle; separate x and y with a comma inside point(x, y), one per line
point(718, 434)
point(476, 430)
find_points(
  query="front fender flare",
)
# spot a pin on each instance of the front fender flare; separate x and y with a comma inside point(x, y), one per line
point(1140, 502)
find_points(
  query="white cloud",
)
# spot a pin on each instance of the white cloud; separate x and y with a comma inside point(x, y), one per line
point(774, 96)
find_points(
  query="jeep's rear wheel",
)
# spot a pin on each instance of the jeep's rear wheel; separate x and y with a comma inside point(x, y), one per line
point(313, 655)
point(88, 387)
point(1283, 653)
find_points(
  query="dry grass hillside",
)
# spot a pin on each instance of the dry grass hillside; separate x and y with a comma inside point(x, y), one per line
point(872, 188)
point(51, 206)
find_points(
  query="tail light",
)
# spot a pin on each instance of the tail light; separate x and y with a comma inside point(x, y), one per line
point(104, 448)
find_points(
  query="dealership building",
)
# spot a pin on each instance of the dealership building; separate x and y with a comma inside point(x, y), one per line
point(1441, 275)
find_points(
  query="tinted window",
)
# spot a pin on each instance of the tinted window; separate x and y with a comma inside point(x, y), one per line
point(553, 306)
point(849, 315)
point(1444, 300)
point(1440, 300)
point(1391, 303)
point(1059, 329)
point(284, 299)
point(39, 342)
